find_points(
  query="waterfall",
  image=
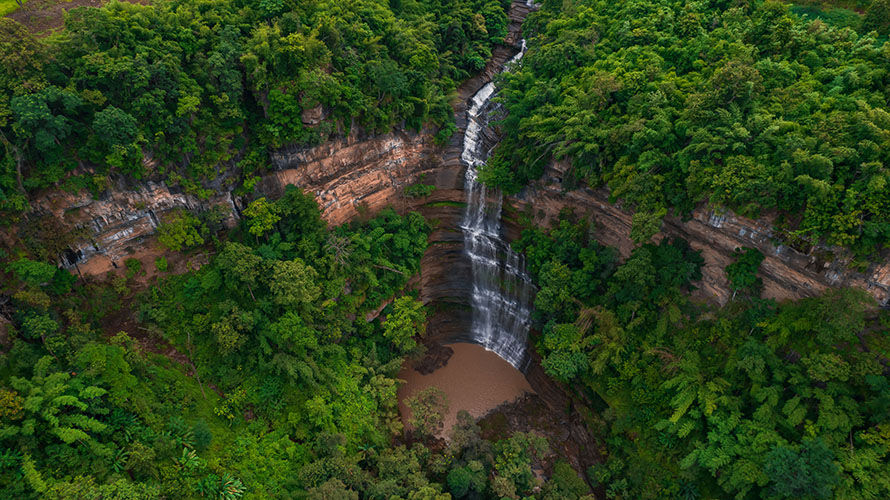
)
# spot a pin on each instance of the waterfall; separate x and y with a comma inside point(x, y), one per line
point(501, 288)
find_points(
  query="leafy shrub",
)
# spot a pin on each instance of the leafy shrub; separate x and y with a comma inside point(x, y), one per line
point(742, 273)
point(419, 190)
point(134, 267)
point(161, 263)
point(181, 231)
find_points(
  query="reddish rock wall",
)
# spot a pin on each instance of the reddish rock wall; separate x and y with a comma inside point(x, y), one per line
point(355, 174)
point(348, 176)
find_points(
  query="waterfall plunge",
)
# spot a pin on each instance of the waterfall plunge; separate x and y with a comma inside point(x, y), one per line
point(501, 288)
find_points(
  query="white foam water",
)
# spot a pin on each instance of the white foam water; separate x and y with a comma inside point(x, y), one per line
point(502, 290)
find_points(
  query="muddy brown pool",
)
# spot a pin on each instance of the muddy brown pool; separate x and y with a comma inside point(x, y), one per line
point(475, 379)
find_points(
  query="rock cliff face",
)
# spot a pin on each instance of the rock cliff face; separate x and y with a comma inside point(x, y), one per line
point(347, 176)
point(446, 279)
point(786, 272)
point(355, 174)
point(116, 224)
point(364, 173)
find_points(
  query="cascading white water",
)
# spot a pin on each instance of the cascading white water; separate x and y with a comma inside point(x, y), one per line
point(501, 288)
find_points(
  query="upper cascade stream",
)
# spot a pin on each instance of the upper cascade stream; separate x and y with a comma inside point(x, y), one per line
point(502, 290)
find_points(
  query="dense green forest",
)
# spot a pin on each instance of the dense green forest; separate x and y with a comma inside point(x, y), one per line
point(287, 386)
point(752, 400)
point(741, 104)
point(287, 389)
point(183, 90)
point(267, 366)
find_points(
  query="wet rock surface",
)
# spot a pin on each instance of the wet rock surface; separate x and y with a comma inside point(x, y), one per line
point(436, 356)
point(565, 432)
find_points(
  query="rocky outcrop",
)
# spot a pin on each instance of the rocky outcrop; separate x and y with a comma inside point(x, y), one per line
point(446, 278)
point(348, 175)
point(364, 173)
point(355, 174)
point(787, 273)
point(118, 222)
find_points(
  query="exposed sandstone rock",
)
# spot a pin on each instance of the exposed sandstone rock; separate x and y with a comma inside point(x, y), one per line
point(446, 280)
point(119, 221)
point(313, 116)
point(786, 272)
point(367, 173)
point(353, 172)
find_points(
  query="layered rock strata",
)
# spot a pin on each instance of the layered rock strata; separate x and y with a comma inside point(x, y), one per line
point(787, 273)
point(115, 225)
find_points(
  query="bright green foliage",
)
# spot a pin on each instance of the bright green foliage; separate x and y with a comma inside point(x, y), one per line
point(239, 266)
point(261, 216)
point(566, 359)
point(671, 103)
point(36, 326)
point(117, 132)
point(742, 273)
point(179, 89)
point(182, 231)
point(280, 323)
point(54, 406)
point(751, 401)
point(161, 264)
point(107, 363)
point(134, 267)
point(512, 464)
point(31, 272)
point(419, 190)
point(428, 409)
point(85, 488)
point(293, 284)
point(407, 321)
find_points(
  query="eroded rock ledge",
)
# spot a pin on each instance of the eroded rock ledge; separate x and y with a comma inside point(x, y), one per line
point(348, 176)
point(787, 273)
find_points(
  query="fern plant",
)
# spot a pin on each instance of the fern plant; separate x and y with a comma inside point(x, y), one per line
point(54, 406)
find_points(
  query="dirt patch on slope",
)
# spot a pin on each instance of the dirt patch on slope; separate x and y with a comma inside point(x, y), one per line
point(42, 17)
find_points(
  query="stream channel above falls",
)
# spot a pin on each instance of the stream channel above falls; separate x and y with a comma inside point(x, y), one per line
point(487, 365)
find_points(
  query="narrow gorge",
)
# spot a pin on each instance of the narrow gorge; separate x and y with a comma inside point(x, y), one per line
point(471, 279)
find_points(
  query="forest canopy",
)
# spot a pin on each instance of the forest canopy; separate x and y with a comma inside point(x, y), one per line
point(262, 361)
point(187, 90)
point(744, 105)
point(750, 400)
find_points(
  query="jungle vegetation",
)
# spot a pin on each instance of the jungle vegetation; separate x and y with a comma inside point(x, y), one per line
point(755, 399)
point(189, 91)
point(743, 105)
point(267, 367)
point(291, 337)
